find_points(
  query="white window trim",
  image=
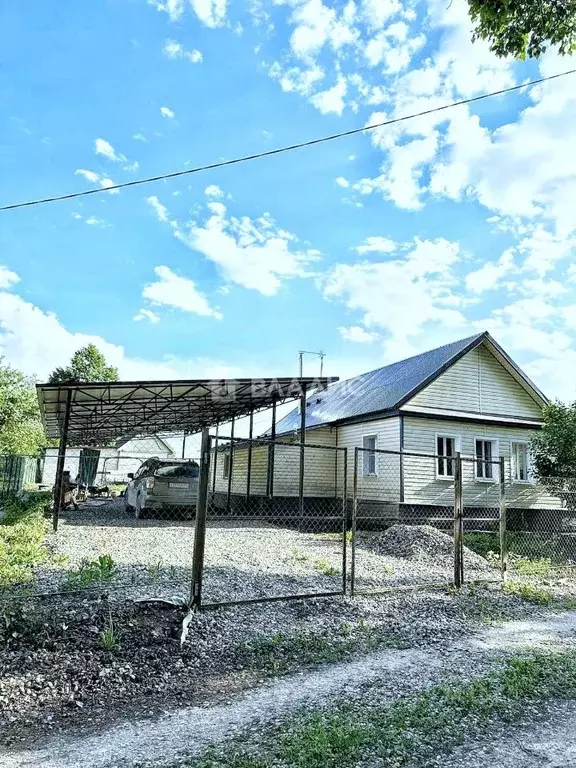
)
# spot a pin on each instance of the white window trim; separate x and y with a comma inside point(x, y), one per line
point(365, 453)
point(458, 449)
point(530, 480)
point(495, 455)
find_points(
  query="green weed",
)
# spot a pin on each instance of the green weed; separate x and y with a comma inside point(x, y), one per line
point(22, 534)
point(91, 572)
point(528, 592)
point(108, 639)
point(321, 564)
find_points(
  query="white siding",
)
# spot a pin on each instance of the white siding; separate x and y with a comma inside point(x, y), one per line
point(480, 384)
point(422, 486)
point(387, 479)
point(319, 467)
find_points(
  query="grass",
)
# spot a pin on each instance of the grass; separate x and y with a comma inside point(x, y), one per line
point(108, 638)
point(321, 564)
point(528, 592)
point(91, 572)
point(22, 534)
point(414, 728)
point(280, 653)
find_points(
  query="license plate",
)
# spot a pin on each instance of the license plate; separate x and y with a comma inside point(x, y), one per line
point(184, 486)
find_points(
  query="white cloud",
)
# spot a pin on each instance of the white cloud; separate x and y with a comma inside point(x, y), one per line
point(489, 276)
point(213, 190)
point(140, 137)
point(94, 221)
point(212, 13)
point(342, 182)
point(254, 253)
point(316, 25)
point(174, 8)
point(147, 314)
point(331, 100)
point(7, 277)
point(159, 209)
point(358, 334)
point(96, 178)
point(377, 12)
point(103, 147)
point(175, 50)
point(376, 245)
point(171, 290)
point(296, 79)
point(401, 295)
point(167, 112)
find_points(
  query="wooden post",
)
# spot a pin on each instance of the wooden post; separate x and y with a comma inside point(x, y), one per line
point(458, 521)
point(503, 526)
point(354, 523)
point(58, 486)
point(200, 529)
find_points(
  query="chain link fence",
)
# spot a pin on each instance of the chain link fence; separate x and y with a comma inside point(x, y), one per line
point(275, 521)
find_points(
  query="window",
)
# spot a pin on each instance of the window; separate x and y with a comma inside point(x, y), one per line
point(520, 456)
point(111, 463)
point(446, 447)
point(369, 455)
point(486, 456)
point(226, 466)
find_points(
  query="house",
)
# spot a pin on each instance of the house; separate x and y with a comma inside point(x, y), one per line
point(100, 466)
point(466, 397)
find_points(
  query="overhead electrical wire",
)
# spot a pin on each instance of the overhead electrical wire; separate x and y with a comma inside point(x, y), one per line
point(281, 150)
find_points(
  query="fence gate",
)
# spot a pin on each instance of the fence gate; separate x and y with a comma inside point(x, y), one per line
point(411, 513)
point(275, 521)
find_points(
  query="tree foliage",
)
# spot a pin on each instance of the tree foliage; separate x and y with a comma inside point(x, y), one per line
point(21, 430)
point(524, 28)
point(553, 451)
point(87, 364)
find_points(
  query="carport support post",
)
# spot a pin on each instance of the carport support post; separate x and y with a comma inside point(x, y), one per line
point(503, 537)
point(271, 446)
point(200, 532)
point(215, 461)
point(184, 444)
point(249, 461)
point(302, 438)
point(58, 486)
point(230, 466)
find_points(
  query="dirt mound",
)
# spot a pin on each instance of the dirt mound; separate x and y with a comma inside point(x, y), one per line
point(425, 543)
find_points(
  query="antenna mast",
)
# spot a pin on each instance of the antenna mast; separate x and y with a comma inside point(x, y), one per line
point(319, 354)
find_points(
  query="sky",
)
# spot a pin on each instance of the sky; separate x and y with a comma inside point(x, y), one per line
point(371, 248)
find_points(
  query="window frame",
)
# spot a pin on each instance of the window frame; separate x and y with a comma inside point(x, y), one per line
point(495, 455)
point(529, 479)
point(367, 455)
point(457, 449)
point(226, 465)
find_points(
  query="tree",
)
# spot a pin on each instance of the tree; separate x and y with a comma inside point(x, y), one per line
point(87, 364)
point(522, 28)
point(553, 451)
point(21, 430)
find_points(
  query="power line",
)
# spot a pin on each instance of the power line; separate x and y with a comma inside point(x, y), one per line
point(280, 150)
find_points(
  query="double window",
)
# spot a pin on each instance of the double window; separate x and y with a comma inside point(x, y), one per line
point(369, 455)
point(520, 462)
point(486, 452)
point(446, 448)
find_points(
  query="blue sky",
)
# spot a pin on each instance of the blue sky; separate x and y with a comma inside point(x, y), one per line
point(372, 247)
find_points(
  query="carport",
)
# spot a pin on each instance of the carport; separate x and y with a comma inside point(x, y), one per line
point(97, 412)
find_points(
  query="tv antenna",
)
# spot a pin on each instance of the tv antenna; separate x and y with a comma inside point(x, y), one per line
point(319, 354)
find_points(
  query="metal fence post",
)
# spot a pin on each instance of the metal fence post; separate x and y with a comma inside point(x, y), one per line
point(344, 518)
point(354, 511)
point(200, 528)
point(503, 536)
point(58, 485)
point(458, 564)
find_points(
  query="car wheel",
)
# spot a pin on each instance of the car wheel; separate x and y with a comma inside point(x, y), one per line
point(139, 511)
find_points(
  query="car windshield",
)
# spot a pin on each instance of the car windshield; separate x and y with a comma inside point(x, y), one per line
point(188, 469)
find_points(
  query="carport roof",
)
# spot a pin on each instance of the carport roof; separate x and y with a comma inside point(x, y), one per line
point(103, 411)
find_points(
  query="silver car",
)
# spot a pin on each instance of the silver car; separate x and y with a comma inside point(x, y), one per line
point(163, 486)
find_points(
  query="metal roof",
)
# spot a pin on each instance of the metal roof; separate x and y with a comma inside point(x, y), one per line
point(103, 411)
point(387, 388)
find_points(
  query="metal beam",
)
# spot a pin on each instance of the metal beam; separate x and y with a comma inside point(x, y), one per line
point(302, 439)
point(230, 467)
point(270, 473)
point(60, 465)
point(249, 467)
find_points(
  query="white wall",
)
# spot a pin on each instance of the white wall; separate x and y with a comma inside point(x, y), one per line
point(386, 482)
point(420, 481)
point(480, 384)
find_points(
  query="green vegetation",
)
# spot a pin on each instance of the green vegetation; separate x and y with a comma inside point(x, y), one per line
point(21, 431)
point(91, 573)
point(154, 572)
point(108, 639)
point(22, 533)
point(299, 556)
point(414, 728)
point(86, 364)
point(283, 651)
point(528, 592)
point(321, 564)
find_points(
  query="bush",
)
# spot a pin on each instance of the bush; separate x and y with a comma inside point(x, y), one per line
point(22, 532)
